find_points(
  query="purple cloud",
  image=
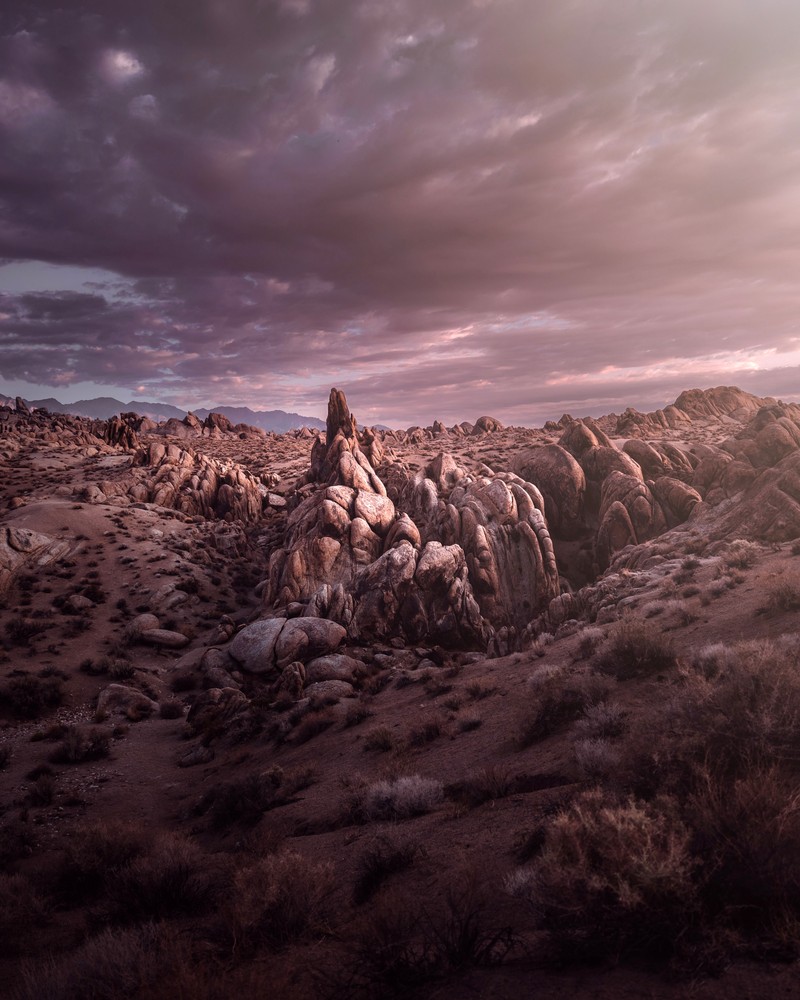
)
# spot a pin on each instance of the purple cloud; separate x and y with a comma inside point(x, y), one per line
point(448, 207)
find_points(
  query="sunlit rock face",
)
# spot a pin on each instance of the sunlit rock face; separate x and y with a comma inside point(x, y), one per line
point(446, 557)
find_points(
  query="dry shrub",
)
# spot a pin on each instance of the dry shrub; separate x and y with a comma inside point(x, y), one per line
point(94, 854)
point(173, 878)
point(741, 554)
point(426, 732)
point(22, 912)
point(603, 720)
point(488, 784)
point(115, 965)
point(784, 595)
point(394, 798)
point(379, 739)
point(16, 842)
point(596, 757)
point(28, 697)
point(406, 941)
point(611, 878)
point(80, 745)
point(636, 649)
point(245, 800)
point(313, 724)
point(277, 900)
point(557, 697)
point(748, 833)
point(383, 856)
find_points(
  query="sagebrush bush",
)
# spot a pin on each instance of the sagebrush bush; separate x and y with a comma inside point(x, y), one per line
point(94, 853)
point(741, 554)
point(612, 877)
point(22, 913)
point(277, 900)
point(487, 784)
point(748, 833)
point(636, 649)
point(382, 857)
point(405, 941)
point(79, 745)
point(116, 965)
point(784, 595)
point(556, 697)
point(28, 696)
point(245, 800)
point(172, 878)
point(398, 798)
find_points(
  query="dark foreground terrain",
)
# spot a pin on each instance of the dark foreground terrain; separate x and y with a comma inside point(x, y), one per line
point(445, 712)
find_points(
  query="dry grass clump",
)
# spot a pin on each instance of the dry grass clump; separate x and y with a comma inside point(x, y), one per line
point(611, 878)
point(603, 720)
point(277, 900)
point(636, 649)
point(783, 595)
point(741, 554)
point(379, 739)
point(486, 785)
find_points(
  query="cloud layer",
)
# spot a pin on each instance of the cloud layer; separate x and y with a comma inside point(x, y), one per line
point(444, 207)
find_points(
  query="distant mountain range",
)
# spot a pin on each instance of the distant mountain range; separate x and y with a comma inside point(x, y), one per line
point(106, 406)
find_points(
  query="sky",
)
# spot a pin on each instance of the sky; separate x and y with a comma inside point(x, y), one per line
point(444, 207)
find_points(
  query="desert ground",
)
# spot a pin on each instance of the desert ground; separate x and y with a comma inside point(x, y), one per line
point(476, 711)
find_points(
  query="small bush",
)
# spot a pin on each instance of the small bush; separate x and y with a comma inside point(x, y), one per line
point(604, 720)
point(557, 697)
point(277, 900)
point(636, 649)
point(29, 697)
point(784, 595)
point(22, 913)
point(741, 554)
point(115, 965)
point(486, 785)
point(80, 745)
point(426, 732)
point(612, 878)
point(245, 800)
point(596, 758)
point(405, 942)
point(398, 798)
point(173, 878)
point(94, 854)
point(380, 740)
point(312, 725)
point(383, 857)
point(20, 630)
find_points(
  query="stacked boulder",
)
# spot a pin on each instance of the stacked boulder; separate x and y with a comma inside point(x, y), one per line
point(447, 557)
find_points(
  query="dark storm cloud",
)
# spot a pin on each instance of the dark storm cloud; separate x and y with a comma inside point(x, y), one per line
point(447, 207)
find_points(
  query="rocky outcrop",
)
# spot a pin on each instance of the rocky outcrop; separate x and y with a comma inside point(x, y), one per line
point(21, 548)
point(562, 483)
point(447, 555)
point(193, 484)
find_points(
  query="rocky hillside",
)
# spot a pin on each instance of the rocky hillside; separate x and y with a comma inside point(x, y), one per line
point(438, 712)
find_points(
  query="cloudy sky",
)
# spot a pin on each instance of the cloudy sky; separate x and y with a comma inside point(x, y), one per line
point(444, 207)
